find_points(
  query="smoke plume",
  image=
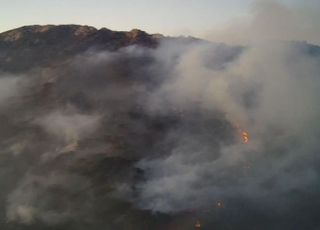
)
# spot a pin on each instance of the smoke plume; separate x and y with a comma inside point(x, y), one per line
point(155, 138)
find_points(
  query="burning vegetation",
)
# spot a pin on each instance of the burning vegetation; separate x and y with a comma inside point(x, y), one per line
point(244, 135)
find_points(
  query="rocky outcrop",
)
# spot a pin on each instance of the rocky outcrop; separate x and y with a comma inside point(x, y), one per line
point(24, 47)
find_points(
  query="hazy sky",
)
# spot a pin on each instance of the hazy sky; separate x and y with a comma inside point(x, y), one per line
point(170, 17)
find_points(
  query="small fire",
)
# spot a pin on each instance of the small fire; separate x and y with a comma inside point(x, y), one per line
point(244, 135)
point(197, 225)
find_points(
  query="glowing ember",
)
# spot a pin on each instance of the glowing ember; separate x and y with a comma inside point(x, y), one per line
point(244, 137)
point(197, 225)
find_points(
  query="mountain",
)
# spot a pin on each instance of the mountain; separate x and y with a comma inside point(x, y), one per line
point(116, 130)
point(75, 125)
point(45, 45)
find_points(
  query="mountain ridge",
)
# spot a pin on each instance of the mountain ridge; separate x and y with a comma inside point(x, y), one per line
point(78, 30)
point(25, 45)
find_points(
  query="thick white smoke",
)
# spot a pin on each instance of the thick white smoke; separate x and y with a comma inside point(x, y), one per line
point(105, 136)
point(272, 20)
point(270, 90)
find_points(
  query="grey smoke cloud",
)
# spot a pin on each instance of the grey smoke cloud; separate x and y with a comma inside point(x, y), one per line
point(174, 120)
point(272, 20)
point(136, 138)
point(36, 198)
point(70, 126)
point(9, 85)
point(282, 81)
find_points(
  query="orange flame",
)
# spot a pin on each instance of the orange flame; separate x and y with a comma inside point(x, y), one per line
point(244, 135)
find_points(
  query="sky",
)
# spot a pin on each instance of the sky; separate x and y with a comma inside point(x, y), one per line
point(169, 17)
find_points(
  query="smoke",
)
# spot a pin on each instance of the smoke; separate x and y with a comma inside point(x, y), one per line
point(269, 90)
point(69, 127)
point(272, 20)
point(39, 197)
point(9, 86)
point(67, 141)
point(142, 138)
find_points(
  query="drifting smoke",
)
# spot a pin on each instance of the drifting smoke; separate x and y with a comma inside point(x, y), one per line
point(39, 197)
point(9, 85)
point(70, 127)
point(109, 138)
point(272, 20)
point(271, 90)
